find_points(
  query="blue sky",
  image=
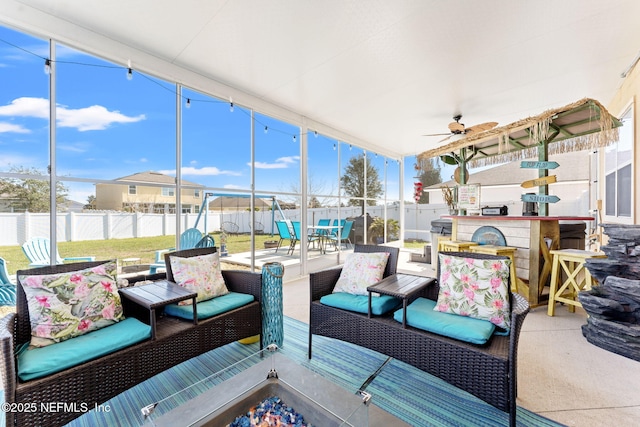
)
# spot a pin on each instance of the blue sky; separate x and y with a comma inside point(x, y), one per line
point(109, 126)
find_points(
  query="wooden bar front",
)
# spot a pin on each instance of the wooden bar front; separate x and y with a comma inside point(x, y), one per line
point(533, 236)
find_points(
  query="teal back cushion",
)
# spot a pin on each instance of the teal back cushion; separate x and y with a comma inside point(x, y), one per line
point(421, 315)
point(42, 361)
point(360, 303)
point(210, 308)
point(7, 294)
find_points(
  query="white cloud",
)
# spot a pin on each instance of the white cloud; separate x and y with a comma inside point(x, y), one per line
point(233, 187)
point(9, 127)
point(95, 117)
point(280, 163)
point(206, 171)
point(263, 165)
point(26, 107)
point(289, 159)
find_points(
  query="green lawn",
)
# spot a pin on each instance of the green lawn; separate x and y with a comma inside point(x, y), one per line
point(142, 247)
point(414, 244)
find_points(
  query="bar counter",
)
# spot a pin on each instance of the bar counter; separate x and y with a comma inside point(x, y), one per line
point(533, 236)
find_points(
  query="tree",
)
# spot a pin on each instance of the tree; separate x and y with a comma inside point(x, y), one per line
point(91, 202)
point(314, 202)
point(353, 182)
point(31, 194)
point(315, 187)
point(429, 175)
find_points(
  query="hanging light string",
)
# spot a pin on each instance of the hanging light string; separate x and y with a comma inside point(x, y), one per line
point(189, 100)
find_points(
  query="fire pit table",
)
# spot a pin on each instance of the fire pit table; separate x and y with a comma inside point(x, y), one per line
point(321, 402)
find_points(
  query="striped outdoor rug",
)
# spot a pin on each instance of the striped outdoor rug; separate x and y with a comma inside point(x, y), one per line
point(416, 397)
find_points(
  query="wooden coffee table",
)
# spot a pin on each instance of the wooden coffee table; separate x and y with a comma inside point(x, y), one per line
point(402, 286)
point(157, 295)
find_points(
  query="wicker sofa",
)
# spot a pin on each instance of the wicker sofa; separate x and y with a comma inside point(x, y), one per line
point(486, 371)
point(100, 379)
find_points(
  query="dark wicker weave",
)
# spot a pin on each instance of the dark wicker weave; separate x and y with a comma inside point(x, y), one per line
point(488, 371)
point(229, 276)
point(100, 379)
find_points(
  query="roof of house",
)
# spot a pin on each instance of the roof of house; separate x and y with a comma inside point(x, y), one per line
point(574, 166)
point(156, 178)
point(240, 202)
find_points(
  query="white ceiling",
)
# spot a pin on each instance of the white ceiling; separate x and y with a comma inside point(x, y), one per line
point(383, 72)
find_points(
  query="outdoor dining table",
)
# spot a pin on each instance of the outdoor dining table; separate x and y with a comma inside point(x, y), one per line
point(323, 233)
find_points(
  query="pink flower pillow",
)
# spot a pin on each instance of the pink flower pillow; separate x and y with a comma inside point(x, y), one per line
point(66, 305)
point(360, 271)
point(199, 274)
point(476, 288)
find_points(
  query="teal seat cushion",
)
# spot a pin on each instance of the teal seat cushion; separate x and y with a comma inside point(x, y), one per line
point(421, 315)
point(42, 361)
point(360, 303)
point(210, 308)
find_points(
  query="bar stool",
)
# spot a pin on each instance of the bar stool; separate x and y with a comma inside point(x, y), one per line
point(455, 246)
point(501, 251)
point(442, 239)
point(572, 262)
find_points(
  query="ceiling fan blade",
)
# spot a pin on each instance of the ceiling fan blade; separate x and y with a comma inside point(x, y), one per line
point(481, 127)
point(445, 139)
point(438, 134)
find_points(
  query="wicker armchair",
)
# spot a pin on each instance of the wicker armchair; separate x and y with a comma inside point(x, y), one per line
point(488, 371)
point(98, 380)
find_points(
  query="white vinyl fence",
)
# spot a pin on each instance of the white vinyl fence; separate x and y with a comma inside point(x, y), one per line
point(16, 228)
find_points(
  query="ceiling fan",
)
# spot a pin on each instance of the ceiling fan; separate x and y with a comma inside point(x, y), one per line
point(458, 128)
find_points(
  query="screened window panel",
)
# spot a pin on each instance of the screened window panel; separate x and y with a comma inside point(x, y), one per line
point(624, 191)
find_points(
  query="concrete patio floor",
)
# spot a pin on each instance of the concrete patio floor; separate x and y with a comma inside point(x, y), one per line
point(560, 375)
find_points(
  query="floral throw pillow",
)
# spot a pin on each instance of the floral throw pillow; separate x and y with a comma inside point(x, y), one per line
point(360, 271)
point(476, 288)
point(66, 305)
point(199, 274)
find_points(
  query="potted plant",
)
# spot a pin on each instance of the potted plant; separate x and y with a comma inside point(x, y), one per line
point(376, 230)
point(270, 244)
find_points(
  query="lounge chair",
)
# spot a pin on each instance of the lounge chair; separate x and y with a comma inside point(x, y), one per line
point(37, 250)
point(283, 232)
point(7, 288)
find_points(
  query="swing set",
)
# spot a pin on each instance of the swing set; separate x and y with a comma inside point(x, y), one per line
point(229, 227)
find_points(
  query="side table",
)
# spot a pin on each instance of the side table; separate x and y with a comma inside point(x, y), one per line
point(402, 286)
point(159, 294)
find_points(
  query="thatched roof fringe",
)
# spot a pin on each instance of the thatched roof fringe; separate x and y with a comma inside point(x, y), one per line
point(539, 128)
point(584, 142)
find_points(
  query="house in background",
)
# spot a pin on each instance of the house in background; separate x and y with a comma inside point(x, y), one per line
point(145, 192)
point(501, 185)
point(239, 203)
